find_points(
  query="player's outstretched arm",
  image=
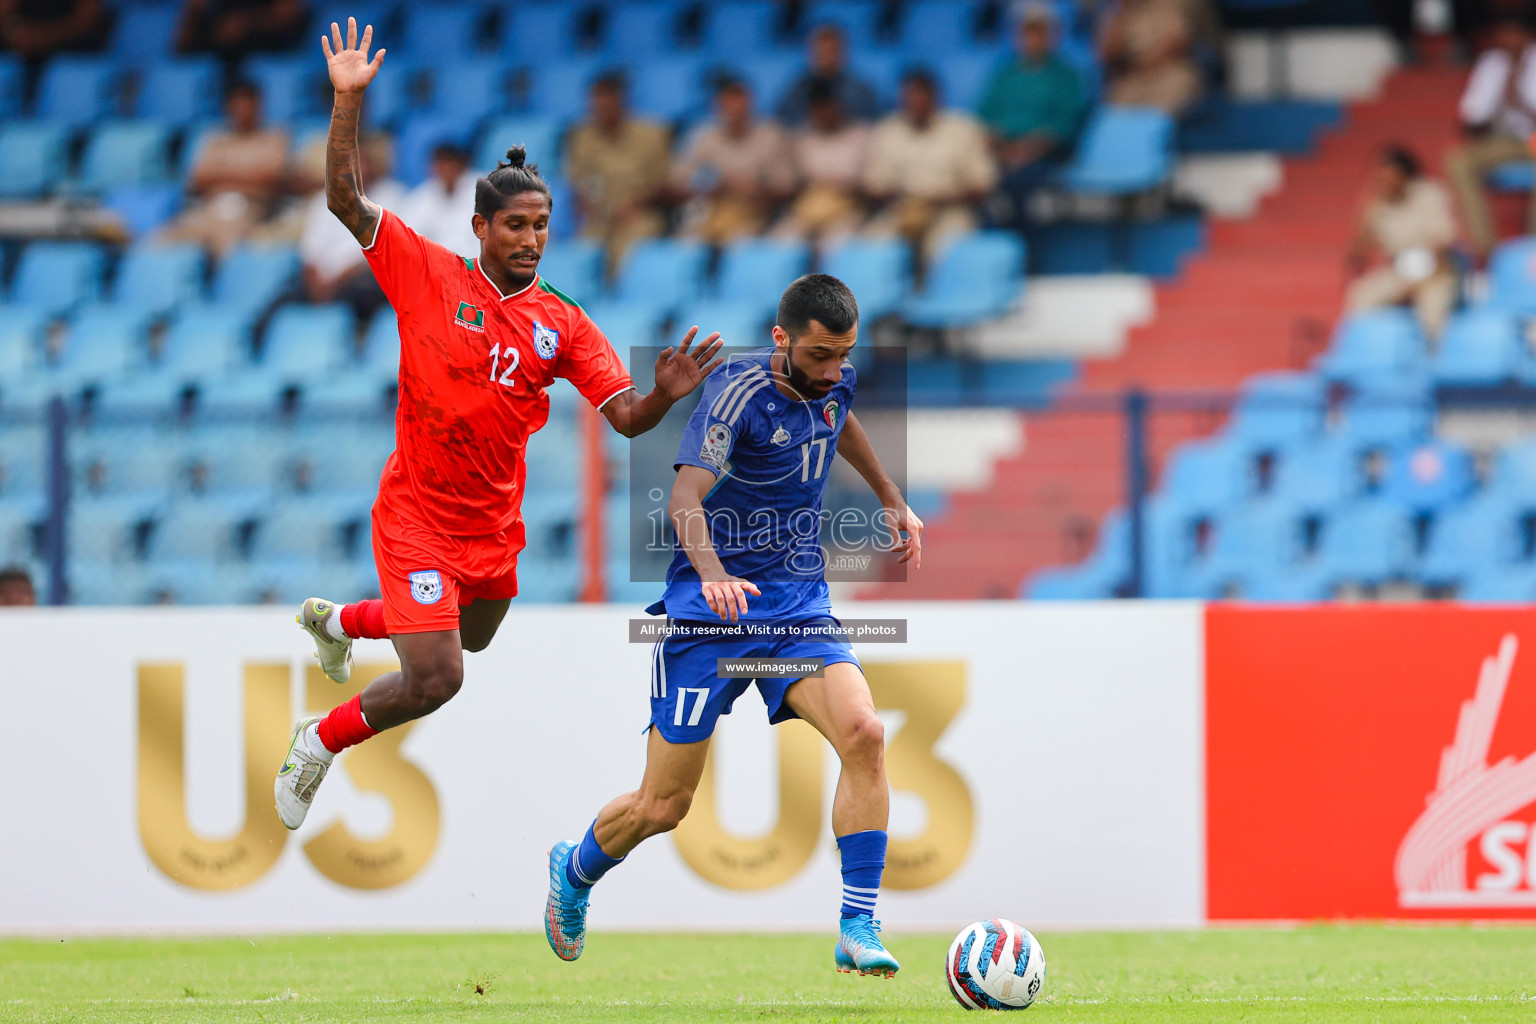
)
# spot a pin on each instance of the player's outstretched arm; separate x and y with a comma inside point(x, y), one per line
point(725, 594)
point(678, 372)
point(854, 446)
point(350, 71)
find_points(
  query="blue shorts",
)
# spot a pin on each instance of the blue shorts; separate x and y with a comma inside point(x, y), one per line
point(687, 698)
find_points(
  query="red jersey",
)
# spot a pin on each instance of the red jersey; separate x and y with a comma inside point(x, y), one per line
point(473, 368)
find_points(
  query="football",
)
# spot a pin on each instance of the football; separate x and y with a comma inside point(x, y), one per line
point(995, 965)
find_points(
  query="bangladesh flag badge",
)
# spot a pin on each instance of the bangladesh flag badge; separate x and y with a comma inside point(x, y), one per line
point(829, 413)
point(471, 317)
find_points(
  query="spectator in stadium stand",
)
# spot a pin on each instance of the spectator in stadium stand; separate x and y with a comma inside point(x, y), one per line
point(830, 153)
point(1407, 226)
point(732, 169)
point(1498, 115)
point(1033, 108)
point(1148, 50)
point(332, 265)
point(829, 69)
point(442, 207)
point(929, 168)
point(234, 28)
point(16, 588)
point(617, 163)
point(34, 29)
point(236, 176)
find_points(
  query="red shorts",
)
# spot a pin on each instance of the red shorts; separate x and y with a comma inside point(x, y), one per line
point(426, 577)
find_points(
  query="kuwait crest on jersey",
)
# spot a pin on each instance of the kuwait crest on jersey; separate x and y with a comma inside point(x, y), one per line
point(545, 341)
point(471, 317)
point(829, 413)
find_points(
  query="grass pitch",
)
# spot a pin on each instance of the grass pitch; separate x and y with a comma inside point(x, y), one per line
point(1322, 974)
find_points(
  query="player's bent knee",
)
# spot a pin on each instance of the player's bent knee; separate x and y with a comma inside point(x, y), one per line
point(864, 742)
point(432, 688)
point(663, 814)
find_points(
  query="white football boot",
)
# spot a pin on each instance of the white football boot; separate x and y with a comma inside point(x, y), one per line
point(335, 655)
point(302, 772)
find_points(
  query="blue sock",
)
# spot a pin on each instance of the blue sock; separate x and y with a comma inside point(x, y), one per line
point(588, 862)
point(863, 861)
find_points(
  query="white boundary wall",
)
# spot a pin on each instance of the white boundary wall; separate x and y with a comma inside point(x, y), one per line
point(1079, 742)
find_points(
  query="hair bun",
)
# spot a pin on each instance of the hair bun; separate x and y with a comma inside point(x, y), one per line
point(516, 156)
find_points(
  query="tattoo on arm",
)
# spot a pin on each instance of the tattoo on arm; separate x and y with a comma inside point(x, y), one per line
point(343, 173)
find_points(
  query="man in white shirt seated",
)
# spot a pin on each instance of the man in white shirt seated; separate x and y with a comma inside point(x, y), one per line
point(443, 206)
point(1498, 112)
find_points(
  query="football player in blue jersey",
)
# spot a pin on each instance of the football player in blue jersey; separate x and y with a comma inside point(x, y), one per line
point(747, 582)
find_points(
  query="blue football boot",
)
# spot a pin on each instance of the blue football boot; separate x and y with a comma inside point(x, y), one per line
point(565, 912)
point(859, 948)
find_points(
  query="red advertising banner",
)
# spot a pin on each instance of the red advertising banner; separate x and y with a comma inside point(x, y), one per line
point(1370, 762)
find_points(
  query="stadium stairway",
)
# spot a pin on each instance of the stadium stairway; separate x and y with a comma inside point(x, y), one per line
point(1263, 296)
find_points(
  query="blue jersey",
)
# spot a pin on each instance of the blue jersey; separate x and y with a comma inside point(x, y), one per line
point(772, 457)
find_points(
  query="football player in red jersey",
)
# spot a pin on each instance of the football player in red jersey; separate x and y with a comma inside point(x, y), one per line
point(480, 341)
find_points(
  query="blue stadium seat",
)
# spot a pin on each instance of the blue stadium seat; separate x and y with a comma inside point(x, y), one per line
point(769, 76)
point(1208, 477)
point(143, 208)
point(194, 529)
point(101, 529)
point(547, 581)
point(305, 341)
point(124, 459)
point(754, 271)
point(293, 86)
point(575, 267)
point(938, 27)
point(250, 276)
point(440, 32)
point(963, 78)
point(1481, 346)
point(1317, 476)
point(879, 270)
point(1257, 538)
point(1380, 345)
point(419, 134)
point(1499, 584)
point(1279, 409)
point(859, 20)
point(21, 333)
point(23, 451)
point(1428, 476)
point(1369, 541)
point(54, 276)
point(670, 89)
point(1514, 470)
point(540, 136)
point(1481, 532)
point(470, 89)
point(122, 153)
point(1304, 583)
point(641, 30)
point(157, 278)
point(535, 32)
point(32, 157)
point(298, 527)
point(559, 90)
point(180, 92)
point(739, 323)
point(1098, 576)
point(11, 80)
point(661, 273)
point(103, 344)
point(1383, 415)
point(1124, 150)
point(626, 324)
point(1170, 530)
point(740, 27)
point(143, 33)
point(976, 277)
point(350, 461)
point(1512, 274)
point(381, 345)
point(378, 13)
point(206, 341)
point(76, 90)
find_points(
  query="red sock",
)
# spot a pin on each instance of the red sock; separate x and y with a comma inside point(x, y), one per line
point(364, 620)
point(345, 726)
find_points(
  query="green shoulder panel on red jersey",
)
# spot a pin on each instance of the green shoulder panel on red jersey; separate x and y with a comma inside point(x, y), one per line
point(557, 293)
point(469, 264)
